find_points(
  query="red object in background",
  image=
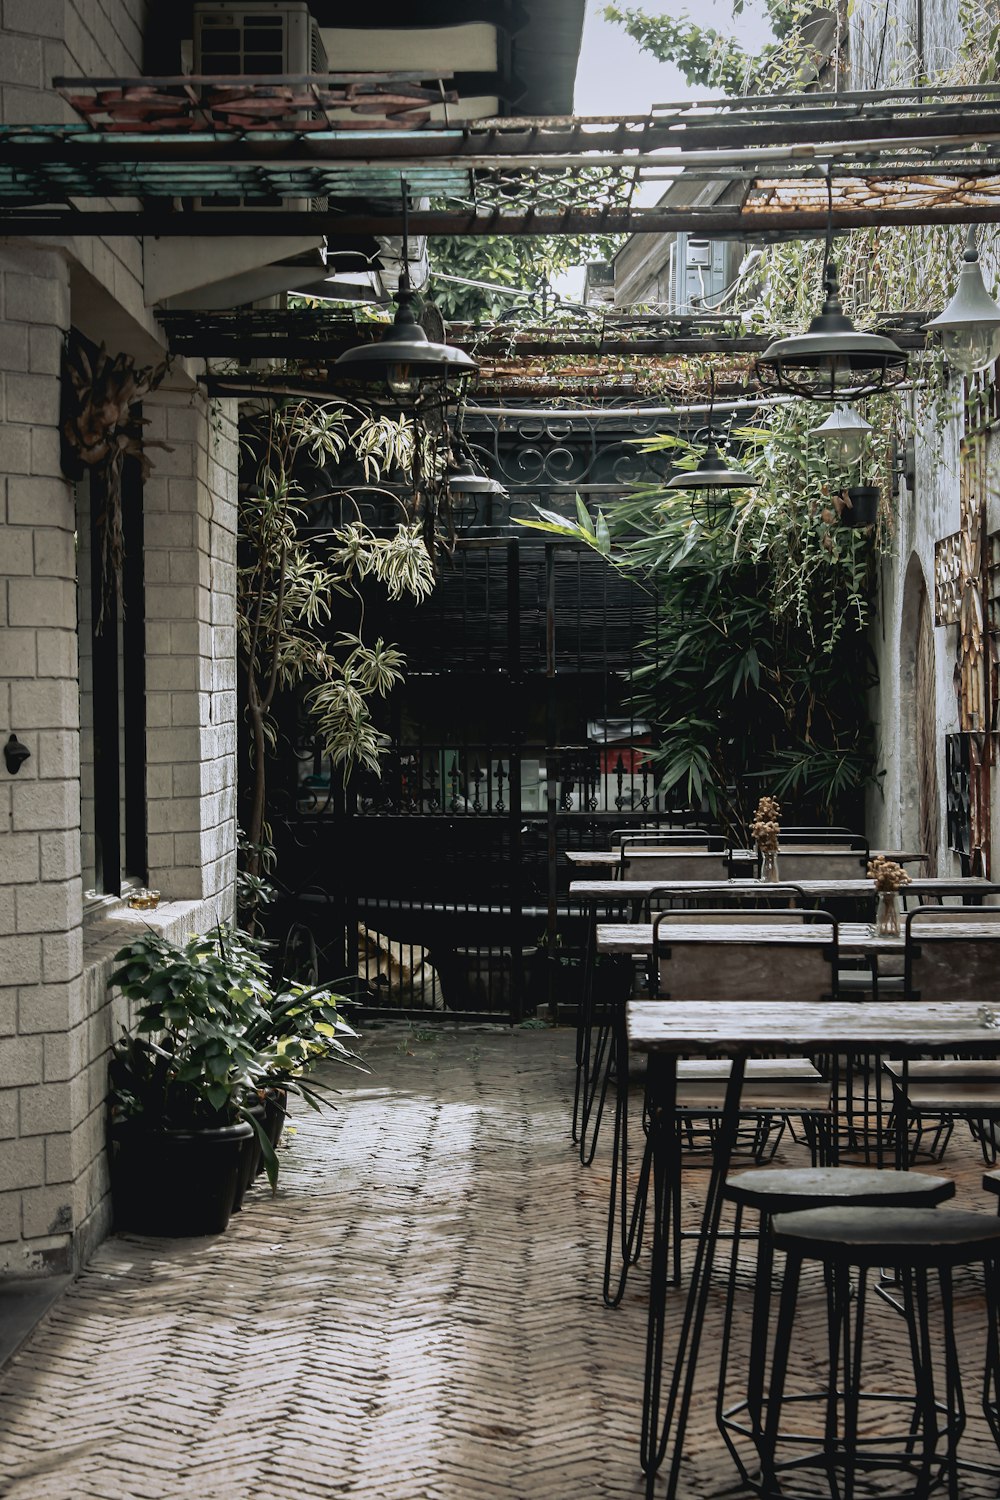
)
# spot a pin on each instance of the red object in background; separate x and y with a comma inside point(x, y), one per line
point(632, 759)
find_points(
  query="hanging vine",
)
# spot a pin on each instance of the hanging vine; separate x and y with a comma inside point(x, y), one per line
point(100, 429)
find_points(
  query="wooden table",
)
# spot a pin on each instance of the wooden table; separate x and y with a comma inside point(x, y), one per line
point(973, 886)
point(612, 858)
point(854, 938)
point(591, 1053)
point(737, 1031)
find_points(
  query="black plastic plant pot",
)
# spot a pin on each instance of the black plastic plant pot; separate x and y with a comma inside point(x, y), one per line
point(176, 1183)
point(863, 509)
point(251, 1161)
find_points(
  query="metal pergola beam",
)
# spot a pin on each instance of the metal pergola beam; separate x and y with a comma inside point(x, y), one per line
point(725, 223)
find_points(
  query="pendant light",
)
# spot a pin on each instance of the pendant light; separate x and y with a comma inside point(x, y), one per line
point(970, 324)
point(468, 479)
point(711, 475)
point(832, 357)
point(404, 359)
point(844, 434)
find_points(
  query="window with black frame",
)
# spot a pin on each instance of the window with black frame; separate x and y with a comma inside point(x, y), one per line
point(111, 625)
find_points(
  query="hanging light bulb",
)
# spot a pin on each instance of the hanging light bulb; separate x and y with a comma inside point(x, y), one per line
point(712, 473)
point(711, 476)
point(970, 324)
point(832, 357)
point(845, 435)
point(404, 358)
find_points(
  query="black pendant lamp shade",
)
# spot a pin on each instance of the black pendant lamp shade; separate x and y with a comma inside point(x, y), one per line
point(712, 473)
point(467, 480)
point(833, 358)
point(404, 358)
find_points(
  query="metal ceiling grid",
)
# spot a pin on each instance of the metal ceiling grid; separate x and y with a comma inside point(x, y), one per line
point(905, 156)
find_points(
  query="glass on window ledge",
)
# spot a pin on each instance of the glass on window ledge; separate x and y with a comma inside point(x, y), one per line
point(143, 899)
point(887, 916)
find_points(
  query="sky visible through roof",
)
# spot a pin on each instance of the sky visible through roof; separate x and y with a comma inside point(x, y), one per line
point(616, 77)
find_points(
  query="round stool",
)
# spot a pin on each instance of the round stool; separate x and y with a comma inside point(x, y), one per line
point(780, 1190)
point(913, 1435)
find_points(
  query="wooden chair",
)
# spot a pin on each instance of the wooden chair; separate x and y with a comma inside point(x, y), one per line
point(826, 838)
point(941, 962)
point(764, 966)
point(755, 970)
point(821, 862)
point(674, 865)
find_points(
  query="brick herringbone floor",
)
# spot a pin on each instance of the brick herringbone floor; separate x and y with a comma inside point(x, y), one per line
point(416, 1316)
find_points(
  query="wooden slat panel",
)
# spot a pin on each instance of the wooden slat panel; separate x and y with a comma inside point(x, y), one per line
point(721, 1028)
point(948, 966)
point(747, 971)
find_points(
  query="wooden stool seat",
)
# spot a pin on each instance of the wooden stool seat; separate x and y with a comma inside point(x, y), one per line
point(781, 1190)
point(914, 1237)
point(849, 1424)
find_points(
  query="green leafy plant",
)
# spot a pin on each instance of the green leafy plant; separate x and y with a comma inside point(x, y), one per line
point(212, 1033)
point(758, 669)
point(288, 579)
point(714, 59)
point(526, 265)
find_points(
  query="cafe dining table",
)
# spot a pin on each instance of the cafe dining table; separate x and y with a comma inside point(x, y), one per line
point(610, 859)
point(737, 1031)
point(591, 1051)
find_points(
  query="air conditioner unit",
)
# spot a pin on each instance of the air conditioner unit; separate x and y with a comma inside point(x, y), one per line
point(256, 37)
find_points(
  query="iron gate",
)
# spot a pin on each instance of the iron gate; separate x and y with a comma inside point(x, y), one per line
point(440, 884)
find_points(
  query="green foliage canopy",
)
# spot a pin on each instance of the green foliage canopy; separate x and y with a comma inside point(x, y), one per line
point(710, 58)
point(757, 675)
point(527, 265)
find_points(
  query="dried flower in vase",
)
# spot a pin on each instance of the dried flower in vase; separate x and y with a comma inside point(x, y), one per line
point(765, 826)
point(887, 874)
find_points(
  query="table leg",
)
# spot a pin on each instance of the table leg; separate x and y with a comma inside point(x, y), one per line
point(664, 1152)
point(626, 1214)
point(584, 1020)
point(678, 1405)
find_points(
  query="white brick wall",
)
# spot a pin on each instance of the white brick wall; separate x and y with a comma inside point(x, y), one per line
point(40, 845)
point(190, 522)
point(57, 1020)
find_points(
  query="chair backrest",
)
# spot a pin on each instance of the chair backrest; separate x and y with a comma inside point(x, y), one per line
point(950, 896)
point(824, 838)
point(749, 903)
point(677, 839)
point(769, 963)
point(675, 865)
point(822, 864)
point(943, 963)
point(668, 830)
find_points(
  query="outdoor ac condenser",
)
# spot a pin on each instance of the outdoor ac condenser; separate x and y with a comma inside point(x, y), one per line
point(258, 37)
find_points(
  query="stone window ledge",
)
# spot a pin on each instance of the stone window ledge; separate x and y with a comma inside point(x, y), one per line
point(115, 923)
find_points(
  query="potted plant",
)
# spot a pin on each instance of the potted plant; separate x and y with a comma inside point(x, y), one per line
point(212, 1039)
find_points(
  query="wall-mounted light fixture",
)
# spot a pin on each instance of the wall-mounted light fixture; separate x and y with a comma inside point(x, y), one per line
point(15, 754)
point(844, 435)
point(970, 324)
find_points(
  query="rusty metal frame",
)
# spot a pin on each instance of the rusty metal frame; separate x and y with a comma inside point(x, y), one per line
point(897, 157)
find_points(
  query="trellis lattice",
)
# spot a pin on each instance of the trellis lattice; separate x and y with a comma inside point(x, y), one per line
point(199, 102)
point(948, 579)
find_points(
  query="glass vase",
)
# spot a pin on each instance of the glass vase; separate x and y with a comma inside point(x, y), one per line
point(769, 864)
point(887, 916)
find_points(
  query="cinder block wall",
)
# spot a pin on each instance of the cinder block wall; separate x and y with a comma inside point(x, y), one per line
point(56, 1017)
